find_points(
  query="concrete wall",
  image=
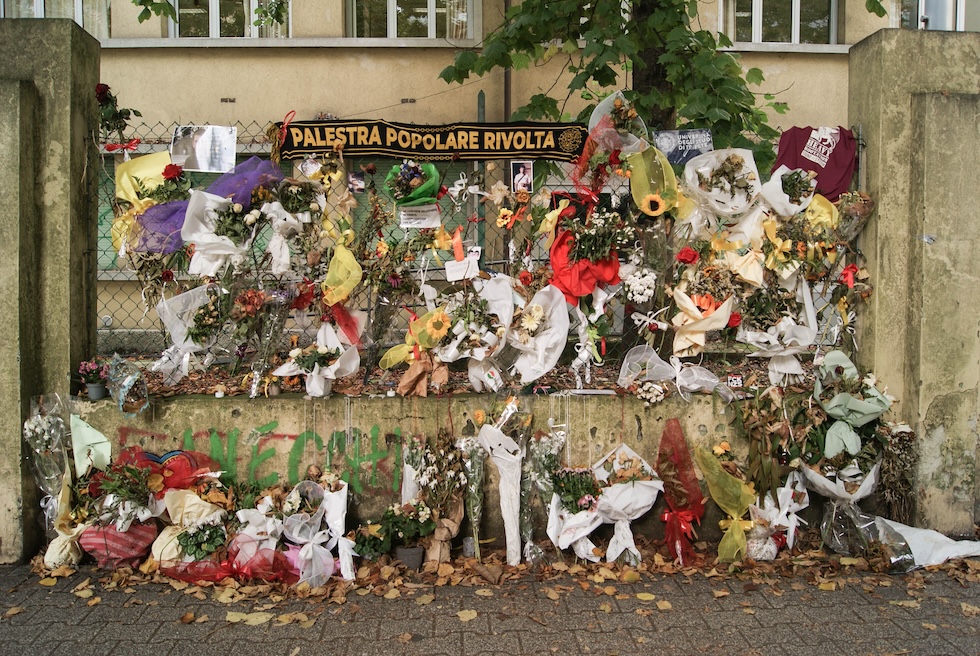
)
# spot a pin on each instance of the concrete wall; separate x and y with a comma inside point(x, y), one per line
point(917, 94)
point(270, 440)
point(47, 121)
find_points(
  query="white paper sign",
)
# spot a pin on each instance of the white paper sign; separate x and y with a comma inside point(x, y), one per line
point(420, 217)
point(465, 269)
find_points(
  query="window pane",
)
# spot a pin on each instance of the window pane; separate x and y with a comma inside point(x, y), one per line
point(815, 21)
point(233, 17)
point(192, 17)
point(95, 18)
point(18, 8)
point(413, 18)
point(274, 31)
point(777, 21)
point(59, 8)
point(371, 18)
point(743, 20)
point(452, 19)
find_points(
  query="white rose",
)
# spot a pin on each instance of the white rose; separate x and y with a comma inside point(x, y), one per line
point(237, 208)
point(322, 350)
point(295, 353)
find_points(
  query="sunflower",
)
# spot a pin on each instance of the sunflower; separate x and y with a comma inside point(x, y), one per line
point(653, 205)
point(438, 325)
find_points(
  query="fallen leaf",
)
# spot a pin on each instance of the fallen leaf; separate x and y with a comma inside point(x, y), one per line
point(466, 615)
point(394, 593)
point(607, 574)
point(249, 619)
point(929, 627)
point(187, 618)
point(404, 638)
point(720, 593)
point(552, 594)
point(630, 577)
point(610, 590)
point(13, 610)
point(641, 640)
point(645, 596)
point(48, 582)
point(644, 612)
point(848, 561)
point(94, 601)
point(424, 600)
point(484, 592)
point(828, 586)
point(748, 611)
point(969, 610)
point(663, 605)
point(445, 569)
point(560, 567)
point(294, 652)
point(201, 619)
point(605, 608)
point(84, 594)
point(905, 604)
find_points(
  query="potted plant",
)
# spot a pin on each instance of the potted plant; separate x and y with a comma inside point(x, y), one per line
point(401, 526)
point(94, 374)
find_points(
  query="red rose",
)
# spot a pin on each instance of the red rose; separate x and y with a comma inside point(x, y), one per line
point(687, 255)
point(101, 92)
point(172, 172)
point(614, 158)
point(167, 275)
point(526, 278)
point(735, 320)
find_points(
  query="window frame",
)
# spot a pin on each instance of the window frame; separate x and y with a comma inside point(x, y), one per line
point(391, 19)
point(726, 22)
point(214, 23)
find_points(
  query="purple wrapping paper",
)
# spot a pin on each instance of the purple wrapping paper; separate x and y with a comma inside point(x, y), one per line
point(160, 228)
point(238, 183)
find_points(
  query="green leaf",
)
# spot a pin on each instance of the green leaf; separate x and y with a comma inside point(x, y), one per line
point(754, 76)
point(875, 7)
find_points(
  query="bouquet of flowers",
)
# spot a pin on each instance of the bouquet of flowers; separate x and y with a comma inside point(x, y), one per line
point(413, 184)
point(93, 371)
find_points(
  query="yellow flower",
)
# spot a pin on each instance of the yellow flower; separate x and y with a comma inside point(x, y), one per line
point(722, 449)
point(438, 325)
point(480, 417)
point(653, 205)
point(503, 218)
point(381, 249)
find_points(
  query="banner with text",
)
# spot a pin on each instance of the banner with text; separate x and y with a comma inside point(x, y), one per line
point(462, 141)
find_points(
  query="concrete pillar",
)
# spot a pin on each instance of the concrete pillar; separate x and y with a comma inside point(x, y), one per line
point(48, 119)
point(916, 97)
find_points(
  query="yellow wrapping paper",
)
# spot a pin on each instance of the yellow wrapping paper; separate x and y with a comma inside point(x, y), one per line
point(422, 331)
point(550, 221)
point(651, 173)
point(149, 170)
point(343, 275)
point(733, 497)
point(748, 268)
point(185, 509)
point(821, 213)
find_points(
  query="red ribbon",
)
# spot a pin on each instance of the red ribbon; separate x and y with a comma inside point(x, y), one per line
point(130, 145)
point(285, 124)
point(679, 531)
point(602, 347)
point(346, 322)
point(847, 275)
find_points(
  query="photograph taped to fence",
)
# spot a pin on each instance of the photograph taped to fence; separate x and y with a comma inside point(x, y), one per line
point(205, 148)
point(522, 173)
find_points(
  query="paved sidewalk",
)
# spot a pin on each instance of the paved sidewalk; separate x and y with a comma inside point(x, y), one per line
point(917, 614)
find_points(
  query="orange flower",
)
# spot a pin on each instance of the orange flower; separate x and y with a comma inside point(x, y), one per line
point(706, 303)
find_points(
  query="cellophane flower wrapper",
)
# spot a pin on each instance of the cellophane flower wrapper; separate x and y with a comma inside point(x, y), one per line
point(499, 295)
point(284, 226)
point(722, 202)
point(682, 492)
point(622, 503)
point(543, 458)
point(690, 324)
point(188, 512)
point(113, 548)
point(541, 353)
point(159, 228)
point(850, 411)
point(425, 193)
point(177, 315)
point(319, 381)
point(475, 464)
point(643, 363)
point(212, 253)
point(127, 386)
point(605, 135)
point(312, 543)
point(733, 497)
point(779, 200)
point(930, 547)
point(567, 529)
point(776, 512)
point(507, 455)
point(238, 183)
point(46, 434)
point(840, 526)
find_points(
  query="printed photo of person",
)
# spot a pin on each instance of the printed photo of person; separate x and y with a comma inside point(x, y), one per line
point(521, 176)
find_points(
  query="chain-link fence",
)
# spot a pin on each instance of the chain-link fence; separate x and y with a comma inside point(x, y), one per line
point(127, 320)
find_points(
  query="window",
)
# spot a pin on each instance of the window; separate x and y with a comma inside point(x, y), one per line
point(781, 21)
point(221, 18)
point(93, 15)
point(426, 19)
point(948, 15)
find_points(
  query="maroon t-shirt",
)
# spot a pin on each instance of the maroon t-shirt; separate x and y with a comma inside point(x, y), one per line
point(828, 152)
